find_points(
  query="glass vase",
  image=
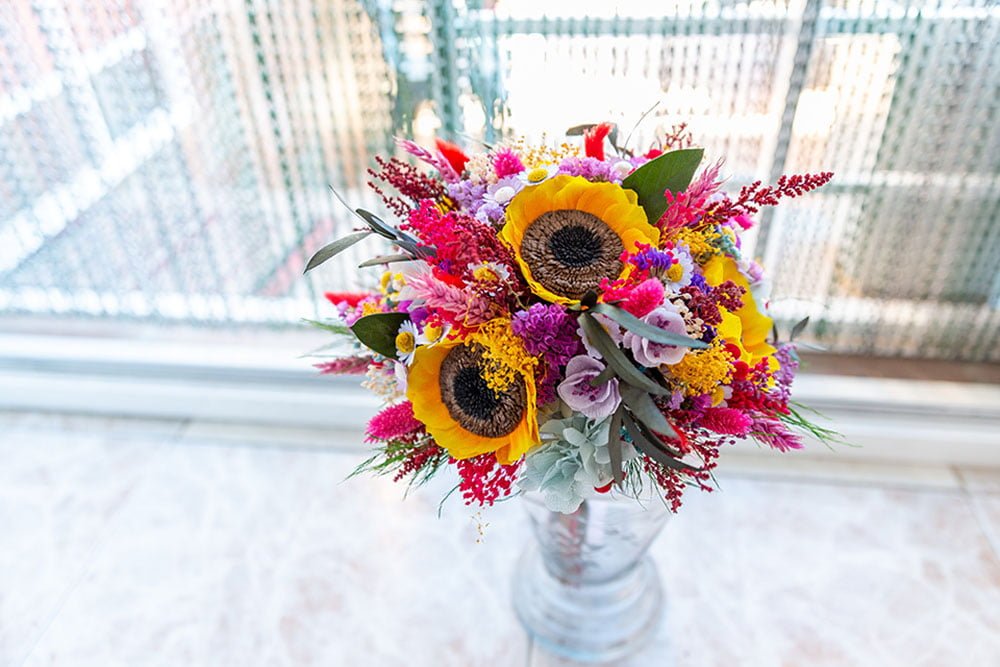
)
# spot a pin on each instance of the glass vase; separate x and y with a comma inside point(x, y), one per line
point(586, 588)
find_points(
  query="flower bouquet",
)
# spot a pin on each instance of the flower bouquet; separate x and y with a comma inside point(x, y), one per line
point(571, 319)
point(577, 322)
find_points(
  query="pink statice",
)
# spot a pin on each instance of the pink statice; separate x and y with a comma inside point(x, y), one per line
point(395, 422)
point(726, 421)
point(507, 163)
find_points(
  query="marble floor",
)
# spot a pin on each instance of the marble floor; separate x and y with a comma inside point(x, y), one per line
point(126, 542)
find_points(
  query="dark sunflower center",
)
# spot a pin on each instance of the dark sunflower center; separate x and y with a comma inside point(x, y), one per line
point(471, 402)
point(575, 246)
point(570, 251)
point(473, 395)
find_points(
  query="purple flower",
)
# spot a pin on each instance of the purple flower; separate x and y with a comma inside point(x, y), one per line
point(590, 168)
point(468, 195)
point(547, 329)
point(651, 354)
point(577, 392)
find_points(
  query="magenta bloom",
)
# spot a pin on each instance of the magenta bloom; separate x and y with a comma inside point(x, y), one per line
point(506, 163)
point(577, 392)
point(726, 421)
point(651, 354)
point(395, 422)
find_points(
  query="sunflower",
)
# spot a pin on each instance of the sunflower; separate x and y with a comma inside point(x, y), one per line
point(747, 328)
point(569, 233)
point(449, 386)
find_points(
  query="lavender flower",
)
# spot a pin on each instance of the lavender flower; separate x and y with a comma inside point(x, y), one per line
point(577, 392)
point(590, 168)
point(547, 329)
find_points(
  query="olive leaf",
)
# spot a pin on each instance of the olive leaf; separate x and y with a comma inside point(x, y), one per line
point(646, 330)
point(603, 376)
point(615, 358)
point(647, 446)
point(645, 410)
point(384, 259)
point(798, 328)
point(378, 332)
point(335, 248)
point(671, 171)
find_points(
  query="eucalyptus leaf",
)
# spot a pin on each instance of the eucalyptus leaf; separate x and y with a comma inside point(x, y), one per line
point(671, 171)
point(646, 330)
point(603, 376)
point(378, 332)
point(798, 328)
point(378, 225)
point(335, 248)
point(384, 259)
point(651, 449)
point(615, 358)
point(615, 445)
point(645, 410)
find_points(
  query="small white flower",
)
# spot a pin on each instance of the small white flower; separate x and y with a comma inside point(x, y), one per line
point(680, 272)
point(406, 342)
point(433, 333)
point(538, 174)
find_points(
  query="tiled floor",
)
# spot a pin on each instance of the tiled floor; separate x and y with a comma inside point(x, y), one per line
point(157, 543)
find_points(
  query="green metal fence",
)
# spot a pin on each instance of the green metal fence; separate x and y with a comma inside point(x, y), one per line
point(168, 161)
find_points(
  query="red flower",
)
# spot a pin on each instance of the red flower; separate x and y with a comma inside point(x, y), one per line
point(352, 299)
point(455, 156)
point(593, 139)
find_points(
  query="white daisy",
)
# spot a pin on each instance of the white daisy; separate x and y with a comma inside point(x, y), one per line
point(406, 342)
point(538, 174)
point(680, 272)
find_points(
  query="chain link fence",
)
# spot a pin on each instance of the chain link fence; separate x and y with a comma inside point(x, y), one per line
point(169, 161)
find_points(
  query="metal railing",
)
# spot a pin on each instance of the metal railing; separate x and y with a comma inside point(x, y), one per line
point(169, 161)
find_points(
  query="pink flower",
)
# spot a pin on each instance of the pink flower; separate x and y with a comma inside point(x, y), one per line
point(727, 421)
point(577, 392)
point(652, 354)
point(646, 296)
point(395, 422)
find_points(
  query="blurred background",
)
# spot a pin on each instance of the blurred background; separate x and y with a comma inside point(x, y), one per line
point(164, 176)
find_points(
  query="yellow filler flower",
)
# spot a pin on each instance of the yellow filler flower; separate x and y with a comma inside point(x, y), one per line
point(569, 233)
point(469, 408)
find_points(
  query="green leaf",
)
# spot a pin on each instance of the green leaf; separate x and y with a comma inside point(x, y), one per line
point(798, 328)
point(651, 449)
point(338, 246)
point(671, 171)
point(378, 332)
point(377, 224)
point(615, 358)
point(603, 376)
point(645, 410)
point(645, 330)
point(383, 259)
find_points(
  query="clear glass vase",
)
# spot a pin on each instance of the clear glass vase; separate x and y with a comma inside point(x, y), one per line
point(585, 588)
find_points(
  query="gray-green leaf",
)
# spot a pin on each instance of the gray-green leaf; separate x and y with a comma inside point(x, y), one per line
point(335, 248)
point(383, 259)
point(615, 358)
point(646, 330)
point(645, 410)
point(671, 171)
